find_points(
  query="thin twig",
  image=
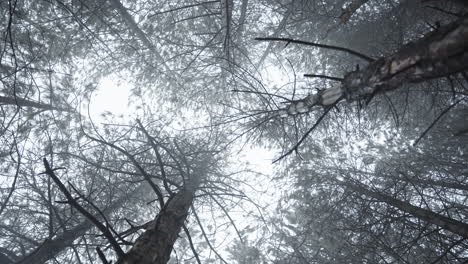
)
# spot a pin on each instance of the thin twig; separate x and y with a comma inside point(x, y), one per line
point(206, 237)
point(306, 134)
point(435, 121)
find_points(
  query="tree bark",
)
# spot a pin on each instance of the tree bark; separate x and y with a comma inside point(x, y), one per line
point(441, 53)
point(155, 245)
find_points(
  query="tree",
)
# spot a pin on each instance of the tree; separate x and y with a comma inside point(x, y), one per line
point(364, 100)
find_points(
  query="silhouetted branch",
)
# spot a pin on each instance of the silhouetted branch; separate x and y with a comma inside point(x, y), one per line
point(151, 140)
point(102, 256)
point(227, 215)
point(324, 77)
point(435, 121)
point(306, 134)
point(192, 247)
point(15, 179)
point(288, 40)
point(49, 171)
point(137, 165)
point(206, 237)
point(261, 93)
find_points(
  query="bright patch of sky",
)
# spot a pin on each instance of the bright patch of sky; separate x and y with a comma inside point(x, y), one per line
point(111, 95)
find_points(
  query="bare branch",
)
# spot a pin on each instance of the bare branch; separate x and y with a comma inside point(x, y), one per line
point(192, 247)
point(49, 171)
point(288, 40)
point(295, 148)
point(324, 77)
point(435, 121)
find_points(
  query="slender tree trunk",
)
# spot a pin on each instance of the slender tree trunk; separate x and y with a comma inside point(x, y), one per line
point(117, 5)
point(444, 222)
point(50, 248)
point(155, 245)
point(4, 100)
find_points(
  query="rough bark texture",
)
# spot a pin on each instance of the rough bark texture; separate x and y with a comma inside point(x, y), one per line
point(52, 247)
point(441, 53)
point(444, 222)
point(154, 246)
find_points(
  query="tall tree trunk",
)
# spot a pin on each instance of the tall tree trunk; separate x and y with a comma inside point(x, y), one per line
point(444, 222)
point(441, 53)
point(155, 245)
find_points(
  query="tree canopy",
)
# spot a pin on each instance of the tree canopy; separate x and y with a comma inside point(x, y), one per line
point(297, 131)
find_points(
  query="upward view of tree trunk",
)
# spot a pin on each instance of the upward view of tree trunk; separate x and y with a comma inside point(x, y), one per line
point(452, 225)
point(155, 245)
point(233, 131)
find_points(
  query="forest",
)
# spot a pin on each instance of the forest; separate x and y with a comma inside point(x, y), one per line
point(233, 131)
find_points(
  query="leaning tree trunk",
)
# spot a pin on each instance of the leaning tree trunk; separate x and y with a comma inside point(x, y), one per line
point(155, 245)
point(441, 53)
point(429, 216)
point(50, 248)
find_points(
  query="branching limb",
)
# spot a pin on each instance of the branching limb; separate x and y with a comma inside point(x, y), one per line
point(102, 256)
point(227, 215)
point(137, 165)
point(15, 179)
point(151, 140)
point(350, 10)
point(296, 147)
point(50, 172)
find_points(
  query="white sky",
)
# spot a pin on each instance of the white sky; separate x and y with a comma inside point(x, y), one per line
point(112, 96)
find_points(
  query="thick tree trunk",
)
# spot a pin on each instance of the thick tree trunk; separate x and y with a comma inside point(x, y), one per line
point(444, 222)
point(441, 53)
point(154, 246)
